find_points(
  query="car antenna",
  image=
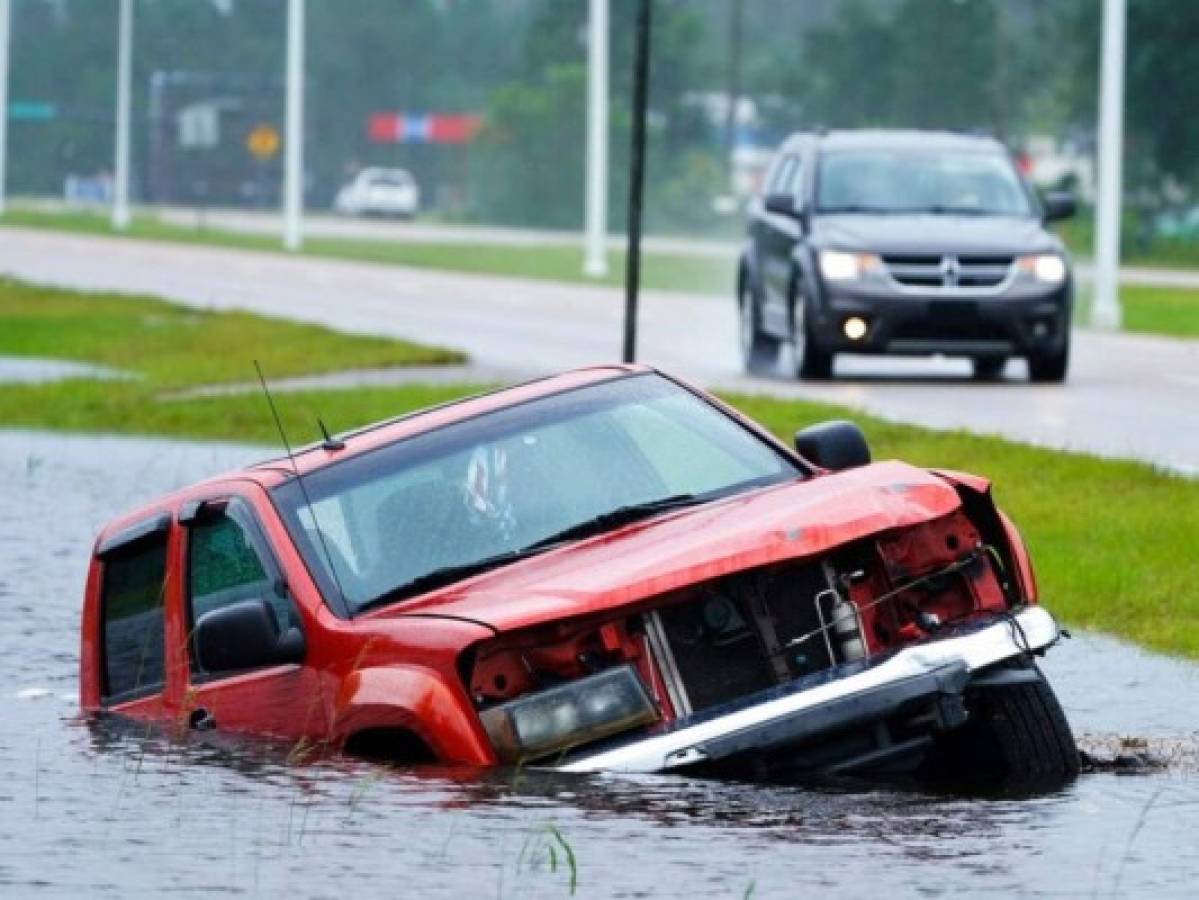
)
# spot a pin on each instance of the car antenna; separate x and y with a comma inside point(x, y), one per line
point(300, 481)
point(330, 444)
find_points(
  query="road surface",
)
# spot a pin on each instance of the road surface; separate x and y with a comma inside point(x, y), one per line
point(327, 225)
point(1128, 396)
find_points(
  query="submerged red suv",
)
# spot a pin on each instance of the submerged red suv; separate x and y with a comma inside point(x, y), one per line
point(604, 570)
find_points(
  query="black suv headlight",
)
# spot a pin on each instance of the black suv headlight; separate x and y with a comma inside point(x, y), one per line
point(1044, 268)
point(571, 714)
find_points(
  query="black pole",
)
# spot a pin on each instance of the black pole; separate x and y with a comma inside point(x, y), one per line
point(632, 276)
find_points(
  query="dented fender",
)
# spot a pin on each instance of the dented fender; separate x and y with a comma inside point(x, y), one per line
point(419, 699)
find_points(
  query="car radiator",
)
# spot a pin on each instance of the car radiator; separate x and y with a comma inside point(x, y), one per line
point(744, 633)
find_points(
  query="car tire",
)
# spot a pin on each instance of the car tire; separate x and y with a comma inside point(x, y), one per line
point(759, 352)
point(812, 362)
point(1050, 368)
point(988, 368)
point(1017, 737)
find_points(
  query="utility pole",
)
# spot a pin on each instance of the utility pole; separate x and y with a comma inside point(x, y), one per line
point(736, 18)
point(120, 185)
point(595, 255)
point(636, 179)
point(293, 140)
point(4, 25)
point(1105, 310)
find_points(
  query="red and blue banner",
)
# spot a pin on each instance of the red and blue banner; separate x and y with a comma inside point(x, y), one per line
point(423, 128)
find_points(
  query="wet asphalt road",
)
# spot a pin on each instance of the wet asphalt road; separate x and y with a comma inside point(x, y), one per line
point(1129, 396)
point(113, 810)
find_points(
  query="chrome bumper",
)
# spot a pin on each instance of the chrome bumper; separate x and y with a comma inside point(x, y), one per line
point(1030, 629)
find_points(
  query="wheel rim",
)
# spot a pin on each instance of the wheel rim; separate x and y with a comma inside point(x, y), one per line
point(747, 322)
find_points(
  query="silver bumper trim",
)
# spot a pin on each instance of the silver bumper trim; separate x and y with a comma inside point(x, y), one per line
point(983, 648)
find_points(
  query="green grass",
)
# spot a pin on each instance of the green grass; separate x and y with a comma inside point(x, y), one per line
point(1167, 311)
point(1113, 542)
point(171, 346)
point(660, 271)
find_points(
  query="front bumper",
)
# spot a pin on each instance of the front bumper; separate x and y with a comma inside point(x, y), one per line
point(932, 674)
point(1025, 324)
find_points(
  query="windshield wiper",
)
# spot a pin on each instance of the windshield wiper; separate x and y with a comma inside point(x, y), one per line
point(937, 209)
point(857, 208)
point(622, 515)
point(447, 575)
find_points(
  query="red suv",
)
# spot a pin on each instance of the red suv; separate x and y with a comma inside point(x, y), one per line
point(604, 570)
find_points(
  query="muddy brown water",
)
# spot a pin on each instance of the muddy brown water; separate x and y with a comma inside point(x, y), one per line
point(113, 809)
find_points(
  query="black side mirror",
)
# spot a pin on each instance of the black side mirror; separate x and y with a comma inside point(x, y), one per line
point(244, 635)
point(1059, 205)
point(833, 445)
point(782, 205)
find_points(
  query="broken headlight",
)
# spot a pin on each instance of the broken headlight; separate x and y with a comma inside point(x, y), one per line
point(571, 714)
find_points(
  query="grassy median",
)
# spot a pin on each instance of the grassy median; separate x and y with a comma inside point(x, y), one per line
point(1151, 310)
point(547, 262)
point(1113, 542)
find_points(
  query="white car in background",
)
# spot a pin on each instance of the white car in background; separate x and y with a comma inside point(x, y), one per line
point(379, 192)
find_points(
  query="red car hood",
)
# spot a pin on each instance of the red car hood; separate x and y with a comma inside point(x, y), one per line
point(649, 558)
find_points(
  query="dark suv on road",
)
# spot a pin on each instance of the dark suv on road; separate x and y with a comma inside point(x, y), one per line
point(904, 242)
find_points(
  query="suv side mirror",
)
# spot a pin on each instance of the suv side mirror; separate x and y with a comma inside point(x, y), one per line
point(244, 635)
point(833, 445)
point(1059, 205)
point(782, 205)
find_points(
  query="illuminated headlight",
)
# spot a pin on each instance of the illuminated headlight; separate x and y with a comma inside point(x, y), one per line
point(571, 714)
point(1048, 268)
point(837, 265)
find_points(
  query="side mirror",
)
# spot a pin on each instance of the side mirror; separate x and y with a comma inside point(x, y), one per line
point(244, 635)
point(833, 445)
point(782, 205)
point(1059, 205)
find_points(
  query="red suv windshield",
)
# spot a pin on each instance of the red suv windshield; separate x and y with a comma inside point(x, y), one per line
point(503, 482)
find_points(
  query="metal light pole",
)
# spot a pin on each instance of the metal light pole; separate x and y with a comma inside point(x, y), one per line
point(293, 141)
point(595, 257)
point(1105, 311)
point(120, 185)
point(636, 179)
point(4, 21)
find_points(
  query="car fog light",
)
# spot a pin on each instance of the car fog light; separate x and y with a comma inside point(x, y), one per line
point(571, 714)
point(855, 328)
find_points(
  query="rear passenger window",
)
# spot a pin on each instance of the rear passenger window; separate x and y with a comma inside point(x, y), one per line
point(227, 563)
point(131, 619)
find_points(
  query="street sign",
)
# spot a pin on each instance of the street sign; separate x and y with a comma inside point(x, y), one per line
point(263, 141)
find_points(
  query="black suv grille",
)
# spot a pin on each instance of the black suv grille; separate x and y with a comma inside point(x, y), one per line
point(948, 271)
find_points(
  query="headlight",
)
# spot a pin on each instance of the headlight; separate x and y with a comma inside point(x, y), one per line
point(571, 714)
point(837, 265)
point(1048, 268)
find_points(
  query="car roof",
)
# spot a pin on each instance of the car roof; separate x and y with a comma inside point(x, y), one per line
point(892, 138)
point(382, 170)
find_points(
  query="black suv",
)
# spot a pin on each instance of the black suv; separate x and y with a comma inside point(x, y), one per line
point(904, 242)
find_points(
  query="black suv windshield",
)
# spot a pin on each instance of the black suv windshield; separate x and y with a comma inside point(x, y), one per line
point(949, 182)
point(437, 507)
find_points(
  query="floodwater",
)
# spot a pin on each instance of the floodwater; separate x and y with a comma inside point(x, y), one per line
point(117, 810)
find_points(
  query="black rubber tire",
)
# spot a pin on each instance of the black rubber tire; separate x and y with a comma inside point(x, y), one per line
point(759, 352)
point(812, 362)
point(1050, 369)
point(1017, 738)
point(988, 368)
